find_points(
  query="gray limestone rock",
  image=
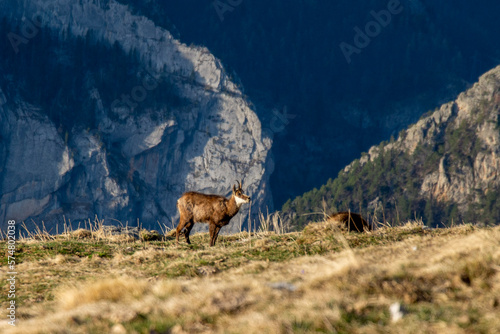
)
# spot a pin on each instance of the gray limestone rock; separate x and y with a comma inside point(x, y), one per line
point(132, 167)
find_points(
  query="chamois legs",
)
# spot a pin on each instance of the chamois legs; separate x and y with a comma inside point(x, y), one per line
point(214, 233)
point(187, 231)
point(187, 225)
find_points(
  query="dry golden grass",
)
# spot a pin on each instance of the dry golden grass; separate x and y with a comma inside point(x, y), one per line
point(321, 280)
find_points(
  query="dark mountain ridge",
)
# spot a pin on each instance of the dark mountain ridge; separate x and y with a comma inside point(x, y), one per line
point(444, 169)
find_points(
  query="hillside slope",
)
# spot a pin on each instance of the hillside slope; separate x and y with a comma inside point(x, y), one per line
point(433, 280)
point(445, 168)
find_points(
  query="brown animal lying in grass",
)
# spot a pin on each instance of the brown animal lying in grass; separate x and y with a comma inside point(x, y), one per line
point(351, 221)
point(215, 210)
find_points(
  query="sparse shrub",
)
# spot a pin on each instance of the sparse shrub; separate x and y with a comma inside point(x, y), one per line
point(153, 235)
point(81, 234)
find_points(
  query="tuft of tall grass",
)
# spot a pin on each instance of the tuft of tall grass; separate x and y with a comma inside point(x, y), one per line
point(273, 222)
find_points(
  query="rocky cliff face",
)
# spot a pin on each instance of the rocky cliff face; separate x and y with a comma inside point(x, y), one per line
point(466, 134)
point(444, 168)
point(132, 166)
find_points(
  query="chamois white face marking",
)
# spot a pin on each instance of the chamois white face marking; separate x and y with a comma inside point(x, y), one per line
point(240, 201)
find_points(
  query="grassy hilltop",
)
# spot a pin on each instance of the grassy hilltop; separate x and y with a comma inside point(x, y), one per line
point(318, 280)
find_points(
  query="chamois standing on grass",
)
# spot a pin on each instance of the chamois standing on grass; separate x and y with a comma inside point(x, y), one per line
point(215, 210)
